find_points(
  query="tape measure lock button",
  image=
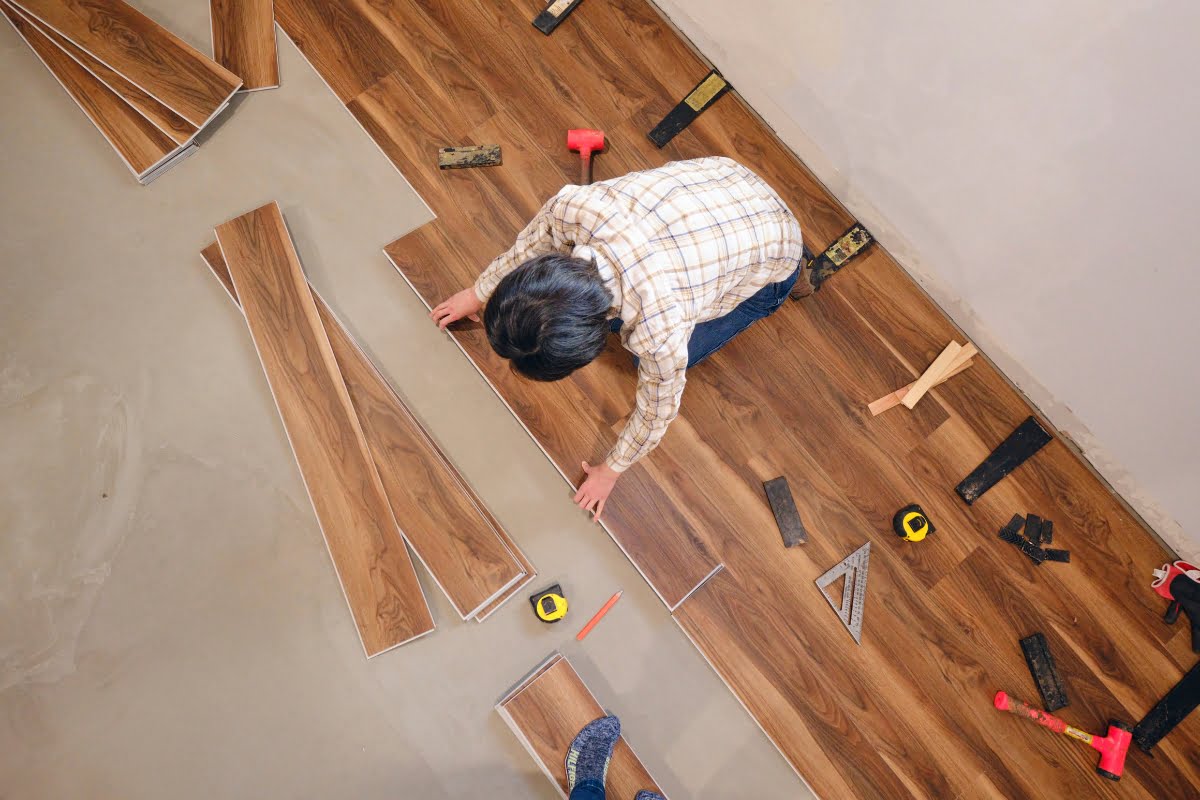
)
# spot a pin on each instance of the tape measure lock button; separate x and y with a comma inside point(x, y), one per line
point(911, 523)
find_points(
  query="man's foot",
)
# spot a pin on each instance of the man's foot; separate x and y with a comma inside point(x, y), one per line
point(589, 753)
point(646, 794)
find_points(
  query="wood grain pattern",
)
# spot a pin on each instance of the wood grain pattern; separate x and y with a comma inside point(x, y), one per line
point(372, 563)
point(163, 118)
point(140, 144)
point(548, 709)
point(144, 52)
point(440, 516)
point(931, 376)
point(908, 714)
point(243, 36)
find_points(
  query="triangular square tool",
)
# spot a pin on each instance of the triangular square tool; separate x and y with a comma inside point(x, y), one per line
point(854, 593)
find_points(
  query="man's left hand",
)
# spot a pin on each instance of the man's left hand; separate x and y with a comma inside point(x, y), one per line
point(596, 488)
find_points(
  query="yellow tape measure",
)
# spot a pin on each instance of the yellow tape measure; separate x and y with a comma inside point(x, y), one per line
point(911, 524)
point(549, 604)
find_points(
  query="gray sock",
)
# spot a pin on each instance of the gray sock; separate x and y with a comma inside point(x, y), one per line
point(589, 753)
point(646, 794)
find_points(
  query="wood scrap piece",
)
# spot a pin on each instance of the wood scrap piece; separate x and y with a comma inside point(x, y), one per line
point(1045, 674)
point(372, 563)
point(147, 54)
point(1023, 442)
point(962, 362)
point(440, 516)
point(243, 39)
point(783, 506)
point(936, 371)
point(476, 155)
point(547, 710)
point(163, 118)
point(140, 144)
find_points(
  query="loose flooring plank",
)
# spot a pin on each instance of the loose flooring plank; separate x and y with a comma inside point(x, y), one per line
point(372, 563)
point(439, 515)
point(163, 118)
point(139, 143)
point(243, 40)
point(144, 52)
point(548, 709)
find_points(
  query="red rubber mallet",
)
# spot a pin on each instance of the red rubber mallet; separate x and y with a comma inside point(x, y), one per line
point(586, 141)
point(1112, 747)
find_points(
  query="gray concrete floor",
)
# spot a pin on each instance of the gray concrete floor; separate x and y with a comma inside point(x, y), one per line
point(170, 622)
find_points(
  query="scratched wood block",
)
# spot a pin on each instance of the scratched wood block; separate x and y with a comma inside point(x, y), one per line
point(480, 155)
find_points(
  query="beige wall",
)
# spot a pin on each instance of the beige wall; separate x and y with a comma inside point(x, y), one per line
point(1034, 165)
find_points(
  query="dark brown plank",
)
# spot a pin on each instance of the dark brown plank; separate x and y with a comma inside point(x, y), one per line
point(243, 36)
point(548, 709)
point(439, 515)
point(139, 143)
point(372, 563)
point(147, 54)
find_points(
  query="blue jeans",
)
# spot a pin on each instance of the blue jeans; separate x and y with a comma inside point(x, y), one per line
point(588, 790)
point(709, 337)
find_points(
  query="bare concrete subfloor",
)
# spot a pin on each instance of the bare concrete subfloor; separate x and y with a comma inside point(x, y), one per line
point(170, 622)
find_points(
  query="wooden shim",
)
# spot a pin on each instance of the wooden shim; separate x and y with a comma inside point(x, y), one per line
point(448, 527)
point(1027, 439)
point(243, 40)
point(930, 377)
point(147, 54)
point(962, 362)
point(140, 144)
point(372, 563)
point(547, 710)
point(174, 126)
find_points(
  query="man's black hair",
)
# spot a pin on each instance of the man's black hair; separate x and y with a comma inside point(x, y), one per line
point(549, 316)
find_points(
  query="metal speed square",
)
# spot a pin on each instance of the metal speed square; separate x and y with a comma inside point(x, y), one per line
point(854, 592)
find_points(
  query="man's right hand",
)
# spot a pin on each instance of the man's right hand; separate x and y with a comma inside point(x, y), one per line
point(457, 306)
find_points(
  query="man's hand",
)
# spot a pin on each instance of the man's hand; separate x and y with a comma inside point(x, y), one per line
point(596, 488)
point(457, 306)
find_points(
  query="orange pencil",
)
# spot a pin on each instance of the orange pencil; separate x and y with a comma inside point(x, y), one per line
point(612, 601)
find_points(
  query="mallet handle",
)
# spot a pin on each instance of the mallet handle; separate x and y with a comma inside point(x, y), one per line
point(1022, 709)
point(585, 169)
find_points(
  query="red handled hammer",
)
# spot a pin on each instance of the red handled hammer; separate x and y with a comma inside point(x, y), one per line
point(586, 141)
point(1112, 746)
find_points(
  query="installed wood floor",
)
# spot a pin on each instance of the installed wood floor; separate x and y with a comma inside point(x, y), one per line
point(908, 713)
point(243, 34)
point(147, 54)
point(372, 563)
point(548, 708)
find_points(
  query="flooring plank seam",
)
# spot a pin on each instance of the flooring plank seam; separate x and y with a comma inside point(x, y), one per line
point(198, 104)
point(232, 24)
point(378, 517)
point(565, 477)
point(211, 256)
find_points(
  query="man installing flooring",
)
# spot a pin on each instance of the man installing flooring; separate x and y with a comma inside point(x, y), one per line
point(678, 260)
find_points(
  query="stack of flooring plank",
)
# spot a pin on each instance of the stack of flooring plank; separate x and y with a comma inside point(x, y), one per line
point(147, 91)
point(375, 477)
point(546, 710)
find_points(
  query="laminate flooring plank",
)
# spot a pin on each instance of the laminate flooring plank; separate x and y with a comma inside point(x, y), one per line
point(138, 142)
point(372, 563)
point(548, 710)
point(243, 39)
point(444, 521)
point(144, 52)
point(163, 118)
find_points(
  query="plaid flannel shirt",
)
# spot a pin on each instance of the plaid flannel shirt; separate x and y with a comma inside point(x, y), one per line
point(676, 246)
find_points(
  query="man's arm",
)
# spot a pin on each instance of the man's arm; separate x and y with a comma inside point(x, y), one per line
point(660, 388)
point(539, 237)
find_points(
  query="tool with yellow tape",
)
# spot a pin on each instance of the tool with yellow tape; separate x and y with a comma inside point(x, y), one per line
point(549, 604)
point(911, 524)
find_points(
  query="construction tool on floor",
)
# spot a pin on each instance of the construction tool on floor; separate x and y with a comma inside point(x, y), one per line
point(961, 362)
point(476, 155)
point(1045, 674)
point(1011, 533)
point(846, 247)
point(1113, 746)
point(912, 524)
point(706, 92)
point(931, 376)
point(550, 604)
point(787, 517)
point(1180, 583)
point(854, 591)
point(1027, 439)
point(1169, 712)
point(604, 609)
point(553, 14)
point(587, 141)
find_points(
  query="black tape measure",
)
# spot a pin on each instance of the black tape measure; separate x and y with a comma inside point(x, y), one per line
point(550, 604)
point(911, 524)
